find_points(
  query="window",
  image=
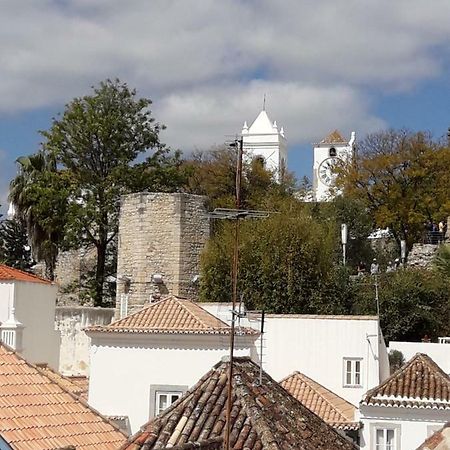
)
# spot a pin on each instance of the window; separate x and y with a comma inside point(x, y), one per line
point(385, 436)
point(162, 396)
point(333, 152)
point(352, 372)
point(165, 399)
point(385, 439)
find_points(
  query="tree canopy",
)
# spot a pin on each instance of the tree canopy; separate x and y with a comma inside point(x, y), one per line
point(104, 145)
point(402, 180)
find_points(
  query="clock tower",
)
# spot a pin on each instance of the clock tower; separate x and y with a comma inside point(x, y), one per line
point(327, 153)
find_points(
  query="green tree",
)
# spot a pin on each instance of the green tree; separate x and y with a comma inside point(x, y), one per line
point(402, 179)
point(104, 145)
point(287, 263)
point(413, 303)
point(14, 248)
point(213, 173)
point(39, 194)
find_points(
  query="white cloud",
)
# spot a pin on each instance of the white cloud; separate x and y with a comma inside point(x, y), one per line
point(205, 116)
point(201, 60)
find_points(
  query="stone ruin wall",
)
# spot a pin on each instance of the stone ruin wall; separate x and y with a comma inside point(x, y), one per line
point(162, 234)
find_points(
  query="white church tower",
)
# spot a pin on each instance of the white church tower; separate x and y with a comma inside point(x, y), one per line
point(263, 139)
point(327, 153)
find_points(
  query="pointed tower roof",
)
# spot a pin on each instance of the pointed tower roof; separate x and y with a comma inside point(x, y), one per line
point(334, 410)
point(420, 383)
point(262, 124)
point(335, 137)
point(264, 416)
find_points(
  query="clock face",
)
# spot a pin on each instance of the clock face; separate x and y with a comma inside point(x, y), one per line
point(326, 171)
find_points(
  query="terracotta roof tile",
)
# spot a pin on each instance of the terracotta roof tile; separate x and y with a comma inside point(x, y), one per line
point(334, 410)
point(77, 386)
point(440, 440)
point(37, 412)
point(334, 137)
point(10, 274)
point(420, 383)
point(170, 315)
point(264, 416)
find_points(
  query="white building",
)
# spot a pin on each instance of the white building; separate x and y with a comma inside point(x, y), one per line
point(409, 406)
point(265, 140)
point(327, 154)
point(27, 316)
point(142, 363)
point(438, 352)
point(346, 354)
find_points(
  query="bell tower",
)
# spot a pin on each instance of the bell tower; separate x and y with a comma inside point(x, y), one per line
point(327, 153)
point(263, 139)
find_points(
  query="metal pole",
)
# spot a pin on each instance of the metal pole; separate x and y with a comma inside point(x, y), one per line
point(234, 295)
point(261, 348)
point(378, 307)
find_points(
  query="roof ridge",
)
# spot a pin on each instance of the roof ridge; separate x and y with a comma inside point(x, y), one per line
point(151, 305)
point(219, 321)
point(424, 359)
point(302, 375)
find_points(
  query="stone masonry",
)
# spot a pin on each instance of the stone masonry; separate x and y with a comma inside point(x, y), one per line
point(161, 234)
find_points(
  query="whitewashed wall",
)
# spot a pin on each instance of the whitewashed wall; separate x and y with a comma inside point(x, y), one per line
point(75, 344)
point(439, 353)
point(34, 305)
point(415, 424)
point(316, 346)
point(123, 368)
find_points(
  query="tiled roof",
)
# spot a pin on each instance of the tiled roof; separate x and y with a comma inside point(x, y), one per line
point(170, 315)
point(37, 413)
point(263, 416)
point(420, 383)
point(440, 440)
point(334, 137)
point(334, 410)
point(77, 386)
point(10, 274)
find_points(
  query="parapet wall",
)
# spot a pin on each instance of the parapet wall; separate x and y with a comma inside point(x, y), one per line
point(75, 344)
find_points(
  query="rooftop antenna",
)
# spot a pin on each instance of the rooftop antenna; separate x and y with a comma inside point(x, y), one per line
point(236, 215)
point(261, 347)
point(264, 102)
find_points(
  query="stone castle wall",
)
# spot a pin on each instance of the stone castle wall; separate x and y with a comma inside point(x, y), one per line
point(162, 234)
point(70, 268)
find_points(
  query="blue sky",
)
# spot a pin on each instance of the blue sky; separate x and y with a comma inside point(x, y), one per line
point(351, 65)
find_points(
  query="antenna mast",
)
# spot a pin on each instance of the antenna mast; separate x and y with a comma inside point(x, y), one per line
point(239, 144)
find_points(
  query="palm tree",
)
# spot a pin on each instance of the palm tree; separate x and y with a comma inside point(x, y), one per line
point(43, 236)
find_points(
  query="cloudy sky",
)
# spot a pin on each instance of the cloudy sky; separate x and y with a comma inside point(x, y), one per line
point(206, 64)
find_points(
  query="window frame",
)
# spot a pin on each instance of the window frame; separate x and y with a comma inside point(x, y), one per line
point(385, 427)
point(353, 372)
point(158, 389)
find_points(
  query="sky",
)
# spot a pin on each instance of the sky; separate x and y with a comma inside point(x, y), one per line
point(350, 65)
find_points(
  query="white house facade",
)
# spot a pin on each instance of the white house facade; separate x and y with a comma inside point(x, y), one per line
point(328, 153)
point(27, 316)
point(265, 140)
point(346, 354)
point(408, 407)
point(141, 364)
